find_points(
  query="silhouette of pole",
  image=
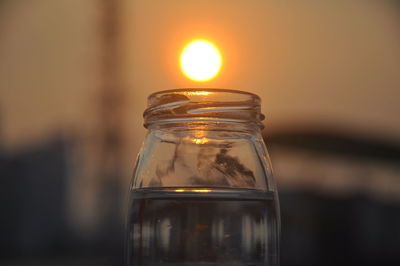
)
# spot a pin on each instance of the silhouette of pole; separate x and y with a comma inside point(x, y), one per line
point(111, 120)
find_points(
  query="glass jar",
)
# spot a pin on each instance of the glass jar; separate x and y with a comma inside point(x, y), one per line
point(202, 192)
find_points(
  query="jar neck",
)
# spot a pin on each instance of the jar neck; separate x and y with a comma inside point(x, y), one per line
point(206, 125)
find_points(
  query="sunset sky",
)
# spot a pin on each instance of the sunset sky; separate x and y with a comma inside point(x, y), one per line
point(312, 62)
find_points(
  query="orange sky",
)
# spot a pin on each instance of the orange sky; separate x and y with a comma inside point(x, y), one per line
point(334, 62)
point(310, 61)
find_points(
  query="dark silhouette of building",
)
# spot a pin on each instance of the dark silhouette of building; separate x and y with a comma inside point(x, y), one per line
point(339, 198)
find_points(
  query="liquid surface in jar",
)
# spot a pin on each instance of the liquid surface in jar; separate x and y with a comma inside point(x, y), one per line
point(202, 226)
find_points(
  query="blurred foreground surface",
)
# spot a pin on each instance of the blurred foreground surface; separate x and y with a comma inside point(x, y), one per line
point(339, 198)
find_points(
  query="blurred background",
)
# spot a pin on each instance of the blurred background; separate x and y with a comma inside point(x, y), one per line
point(74, 77)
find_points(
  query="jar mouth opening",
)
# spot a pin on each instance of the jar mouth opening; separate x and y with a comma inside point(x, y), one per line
point(204, 92)
point(203, 104)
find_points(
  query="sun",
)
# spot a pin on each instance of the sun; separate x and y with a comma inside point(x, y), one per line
point(200, 60)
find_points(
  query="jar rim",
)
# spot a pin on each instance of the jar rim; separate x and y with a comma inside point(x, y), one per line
point(203, 104)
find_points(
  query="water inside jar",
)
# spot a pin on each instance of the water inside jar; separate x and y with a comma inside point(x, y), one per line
point(202, 226)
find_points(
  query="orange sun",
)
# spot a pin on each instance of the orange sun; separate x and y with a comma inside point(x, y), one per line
point(200, 60)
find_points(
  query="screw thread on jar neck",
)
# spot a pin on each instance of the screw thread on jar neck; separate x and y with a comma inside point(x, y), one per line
point(205, 106)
